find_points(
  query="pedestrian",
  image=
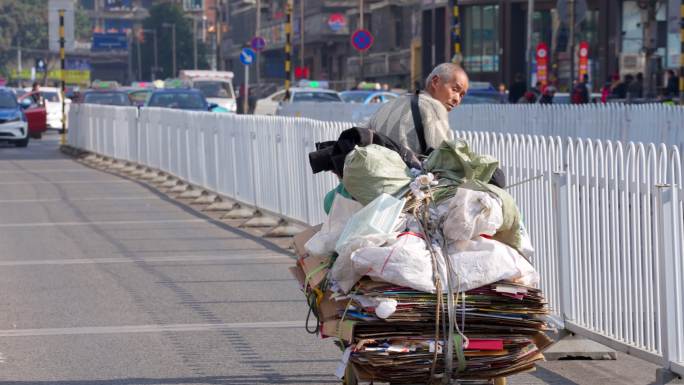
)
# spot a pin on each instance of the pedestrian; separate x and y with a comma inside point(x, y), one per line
point(537, 90)
point(517, 89)
point(606, 90)
point(528, 98)
point(619, 91)
point(580, 91)
point(636, 88)
point(445, 87)
point(503, 96)
point(547, 95)
point(672, 87)
point(36, 95)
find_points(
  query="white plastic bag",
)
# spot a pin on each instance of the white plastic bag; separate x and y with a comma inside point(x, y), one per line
point(373, 225)
point(404, 262)
point(472, 213)
point(481, 261)
point(322, 244)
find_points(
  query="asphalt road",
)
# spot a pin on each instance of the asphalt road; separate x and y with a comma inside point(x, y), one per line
point(104, 282)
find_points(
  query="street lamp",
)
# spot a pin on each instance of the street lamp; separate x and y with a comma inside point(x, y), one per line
point(173, 44)
point(156, 63)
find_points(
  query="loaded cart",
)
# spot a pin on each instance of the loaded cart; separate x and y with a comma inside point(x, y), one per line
point(422, 271)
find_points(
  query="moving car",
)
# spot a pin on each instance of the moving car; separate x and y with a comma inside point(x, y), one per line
point(36, 115)
point(269, 105)
point(106, 97)
point(183, 99)
point(13, 124)
point(216, 86)
point(367, 97)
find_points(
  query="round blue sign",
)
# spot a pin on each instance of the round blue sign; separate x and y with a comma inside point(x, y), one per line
point(247, 56)
point(362, 40)
point(258, 43)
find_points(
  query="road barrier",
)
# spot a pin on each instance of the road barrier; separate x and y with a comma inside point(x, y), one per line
point(647, 123)
point(606, 218)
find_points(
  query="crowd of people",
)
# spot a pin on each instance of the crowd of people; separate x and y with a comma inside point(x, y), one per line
point(629, 88)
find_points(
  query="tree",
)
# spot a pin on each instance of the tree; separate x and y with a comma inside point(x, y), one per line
point(24, 23)
point(168, 13)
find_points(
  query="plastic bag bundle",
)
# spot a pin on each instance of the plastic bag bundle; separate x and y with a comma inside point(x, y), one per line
point(372, 170)
point(471, 214)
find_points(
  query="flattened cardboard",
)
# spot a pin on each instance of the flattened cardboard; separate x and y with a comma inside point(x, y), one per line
point(310, 264)
point(342, 329)
point(300, 240)
point(330, 309)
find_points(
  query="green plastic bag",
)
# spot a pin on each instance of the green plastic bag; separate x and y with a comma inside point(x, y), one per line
point(372, 170)
point(454, 160)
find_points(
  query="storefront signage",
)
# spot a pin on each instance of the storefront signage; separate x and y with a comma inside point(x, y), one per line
point(583, 59)
point(542, 63)
point(336, 22)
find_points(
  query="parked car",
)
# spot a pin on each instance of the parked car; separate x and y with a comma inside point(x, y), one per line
point(367, 97)
point(36, 115)
point(269, 105)
point(53, 104)
point(183, 99)
point(13, 124)
point(481, 93)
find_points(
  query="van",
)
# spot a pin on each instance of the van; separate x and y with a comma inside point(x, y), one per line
point(216, 86)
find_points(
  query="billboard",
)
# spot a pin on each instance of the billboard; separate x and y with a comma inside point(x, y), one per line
point(109, 42)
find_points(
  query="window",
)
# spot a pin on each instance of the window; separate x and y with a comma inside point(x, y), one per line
point(481, 38)
point(306, 96)
point(7, 100)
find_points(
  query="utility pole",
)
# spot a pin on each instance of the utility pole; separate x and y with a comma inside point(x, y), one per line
point(137, 43)
point(433, 47)
point(571, 43)
point(219, 26)
point(288, 49)
point(361, 52)
point(301, 33)
point(258, 33)
point(19, 66)
point(650, 32)
point(194, 42)
point(528, 47)
point(173, 45)
point(62, 74)
point(456, 33)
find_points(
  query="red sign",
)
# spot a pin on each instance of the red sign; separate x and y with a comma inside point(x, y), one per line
point(337, 21)
point(362, 40)
point(543, 64)
point(301, 72)
point(583, 59)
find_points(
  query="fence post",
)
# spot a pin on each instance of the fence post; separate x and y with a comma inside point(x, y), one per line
point(668, 227)
point(562, 204)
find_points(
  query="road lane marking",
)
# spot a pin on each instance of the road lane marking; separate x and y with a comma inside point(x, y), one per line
point(178, 258)
point(79, 199)
point(99, 223)
point(66, 182)
point(88, 330)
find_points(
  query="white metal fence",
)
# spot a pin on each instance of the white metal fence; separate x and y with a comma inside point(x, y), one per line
point(606, 218)
point(647, 123)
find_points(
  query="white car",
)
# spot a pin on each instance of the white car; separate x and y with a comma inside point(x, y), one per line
point(53, 105)
point(269, 105)
point(13, 123)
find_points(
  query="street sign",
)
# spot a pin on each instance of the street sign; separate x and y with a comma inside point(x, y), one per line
point(337, 21)
point(247, 56)
point(258, 43)
point(362, 40)
point(109, 42)
point(41, 65)
point(583, 59)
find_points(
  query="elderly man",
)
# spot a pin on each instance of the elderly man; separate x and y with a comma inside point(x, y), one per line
point(401, 118)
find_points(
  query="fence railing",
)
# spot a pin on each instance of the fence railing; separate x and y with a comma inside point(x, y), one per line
point(606, 218)
point(647, 123)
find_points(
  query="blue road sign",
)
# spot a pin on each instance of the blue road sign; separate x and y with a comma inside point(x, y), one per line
point(362, 40)
point(109, 41)
point(247, 56)
point(258, 43)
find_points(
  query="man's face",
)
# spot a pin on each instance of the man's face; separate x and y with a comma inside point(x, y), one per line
point(450, 93)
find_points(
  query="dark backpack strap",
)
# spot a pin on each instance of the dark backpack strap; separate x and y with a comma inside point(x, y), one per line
point(418, 123)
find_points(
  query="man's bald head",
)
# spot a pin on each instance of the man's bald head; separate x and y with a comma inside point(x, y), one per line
point(448, 83)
